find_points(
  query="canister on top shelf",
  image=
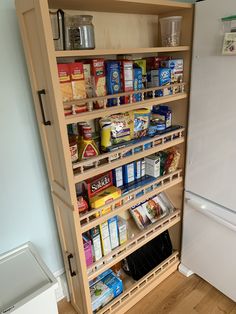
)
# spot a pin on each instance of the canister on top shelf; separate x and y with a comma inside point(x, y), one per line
point(79, 32)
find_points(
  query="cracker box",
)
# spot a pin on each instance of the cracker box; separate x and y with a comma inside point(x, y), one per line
point(113, 230)
point(101, 294)
point(126, 79)
point(97, 245)
point(138, 84)
point(97, 184)
point(177, 72)
point(65, 82)
point(113, 81)
point(114, 283)
point(98, 81)
point(105, 238)
point(78, 85)
point(88, 84)
point(152, 165)
point(122, 228)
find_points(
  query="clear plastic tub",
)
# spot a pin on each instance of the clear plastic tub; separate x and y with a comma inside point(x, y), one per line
point(171, 31)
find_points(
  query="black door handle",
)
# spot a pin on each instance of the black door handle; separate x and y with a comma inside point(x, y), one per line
point(72, 272)
point(40, 93)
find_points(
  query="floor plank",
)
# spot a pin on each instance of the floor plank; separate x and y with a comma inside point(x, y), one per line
point(177, 295)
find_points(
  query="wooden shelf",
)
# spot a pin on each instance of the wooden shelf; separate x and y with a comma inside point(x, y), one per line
point(138, 239)
point(160, 185)
point(89, 221)
point(106, 162)
point(98, 113)
point(152, 7)
point(119, 51)
point(140, 288)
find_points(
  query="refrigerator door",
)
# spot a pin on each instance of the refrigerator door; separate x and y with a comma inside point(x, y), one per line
point(208, 244)
point(211, 166)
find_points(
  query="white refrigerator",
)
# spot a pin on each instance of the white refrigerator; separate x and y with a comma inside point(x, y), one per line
point(209, 222)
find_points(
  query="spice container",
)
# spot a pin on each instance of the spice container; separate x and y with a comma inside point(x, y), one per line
point(170, 31)
point(73, 148)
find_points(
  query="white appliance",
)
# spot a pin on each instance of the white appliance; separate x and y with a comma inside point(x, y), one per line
point(26, 284)
point(209, 222)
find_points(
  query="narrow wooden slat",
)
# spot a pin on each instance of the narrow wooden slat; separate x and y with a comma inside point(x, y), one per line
point(141, 238)
point(144, 286)
point(110, 52)
point(157, 144)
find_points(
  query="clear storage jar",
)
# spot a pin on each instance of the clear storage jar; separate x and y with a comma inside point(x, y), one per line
point(171, 31)
point(79, 32)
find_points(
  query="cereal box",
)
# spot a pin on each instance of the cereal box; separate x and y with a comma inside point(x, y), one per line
point(177, 72)
point(164, 80)
point(88, 84)
point(98, 81)
point(113, 81)
point(138, 83)
point(142, 63)
point(126, 79)
point(65, 81)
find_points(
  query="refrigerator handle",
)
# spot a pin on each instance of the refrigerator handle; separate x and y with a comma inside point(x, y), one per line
point(200, 207)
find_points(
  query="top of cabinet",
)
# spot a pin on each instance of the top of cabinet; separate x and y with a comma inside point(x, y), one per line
point(121, 6)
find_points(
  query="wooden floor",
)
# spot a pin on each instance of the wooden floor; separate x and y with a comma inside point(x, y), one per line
point(178, 295)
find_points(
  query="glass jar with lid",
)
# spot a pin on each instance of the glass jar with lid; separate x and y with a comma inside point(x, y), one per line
point(79, 32)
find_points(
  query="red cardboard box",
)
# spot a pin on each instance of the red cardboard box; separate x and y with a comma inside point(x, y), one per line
point(126, 79)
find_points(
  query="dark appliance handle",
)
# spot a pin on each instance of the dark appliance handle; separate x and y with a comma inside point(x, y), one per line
point(40, 93)
point(72, 272)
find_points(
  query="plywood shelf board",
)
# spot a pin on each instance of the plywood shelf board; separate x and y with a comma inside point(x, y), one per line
point(118, 210)
point(142, 287)
point(152, 7)
point(87, 116)
point(156, 143)
point(139, 238)
point(120, 51)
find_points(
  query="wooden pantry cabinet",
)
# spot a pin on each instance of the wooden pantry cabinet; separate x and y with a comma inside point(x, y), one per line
point(121, 27)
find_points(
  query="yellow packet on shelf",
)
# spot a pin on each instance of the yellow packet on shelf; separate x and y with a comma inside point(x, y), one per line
point(104, 198)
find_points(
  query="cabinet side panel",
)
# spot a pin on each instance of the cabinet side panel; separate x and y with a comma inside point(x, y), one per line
point(43, 76)
point(71, 243)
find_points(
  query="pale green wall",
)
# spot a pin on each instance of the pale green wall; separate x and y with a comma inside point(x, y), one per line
point(26, 212)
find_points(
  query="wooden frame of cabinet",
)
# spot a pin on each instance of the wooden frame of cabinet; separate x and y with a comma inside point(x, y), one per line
point(42, 59)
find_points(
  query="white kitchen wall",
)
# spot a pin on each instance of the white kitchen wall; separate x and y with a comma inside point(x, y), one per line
point(26, 211)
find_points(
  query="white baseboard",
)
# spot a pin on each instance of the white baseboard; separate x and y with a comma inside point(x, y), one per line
point(62, 289)
point(185, 271)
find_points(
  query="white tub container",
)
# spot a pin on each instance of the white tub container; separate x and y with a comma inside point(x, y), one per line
point(26, 284)
point(171, 31)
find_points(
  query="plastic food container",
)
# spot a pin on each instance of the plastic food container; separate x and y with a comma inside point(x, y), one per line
point(171, 31)
point(229, 24)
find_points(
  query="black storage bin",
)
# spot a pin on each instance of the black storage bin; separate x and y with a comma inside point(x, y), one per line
point(149, 256)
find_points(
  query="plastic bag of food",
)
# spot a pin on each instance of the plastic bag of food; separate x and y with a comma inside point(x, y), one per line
point(121, 127)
